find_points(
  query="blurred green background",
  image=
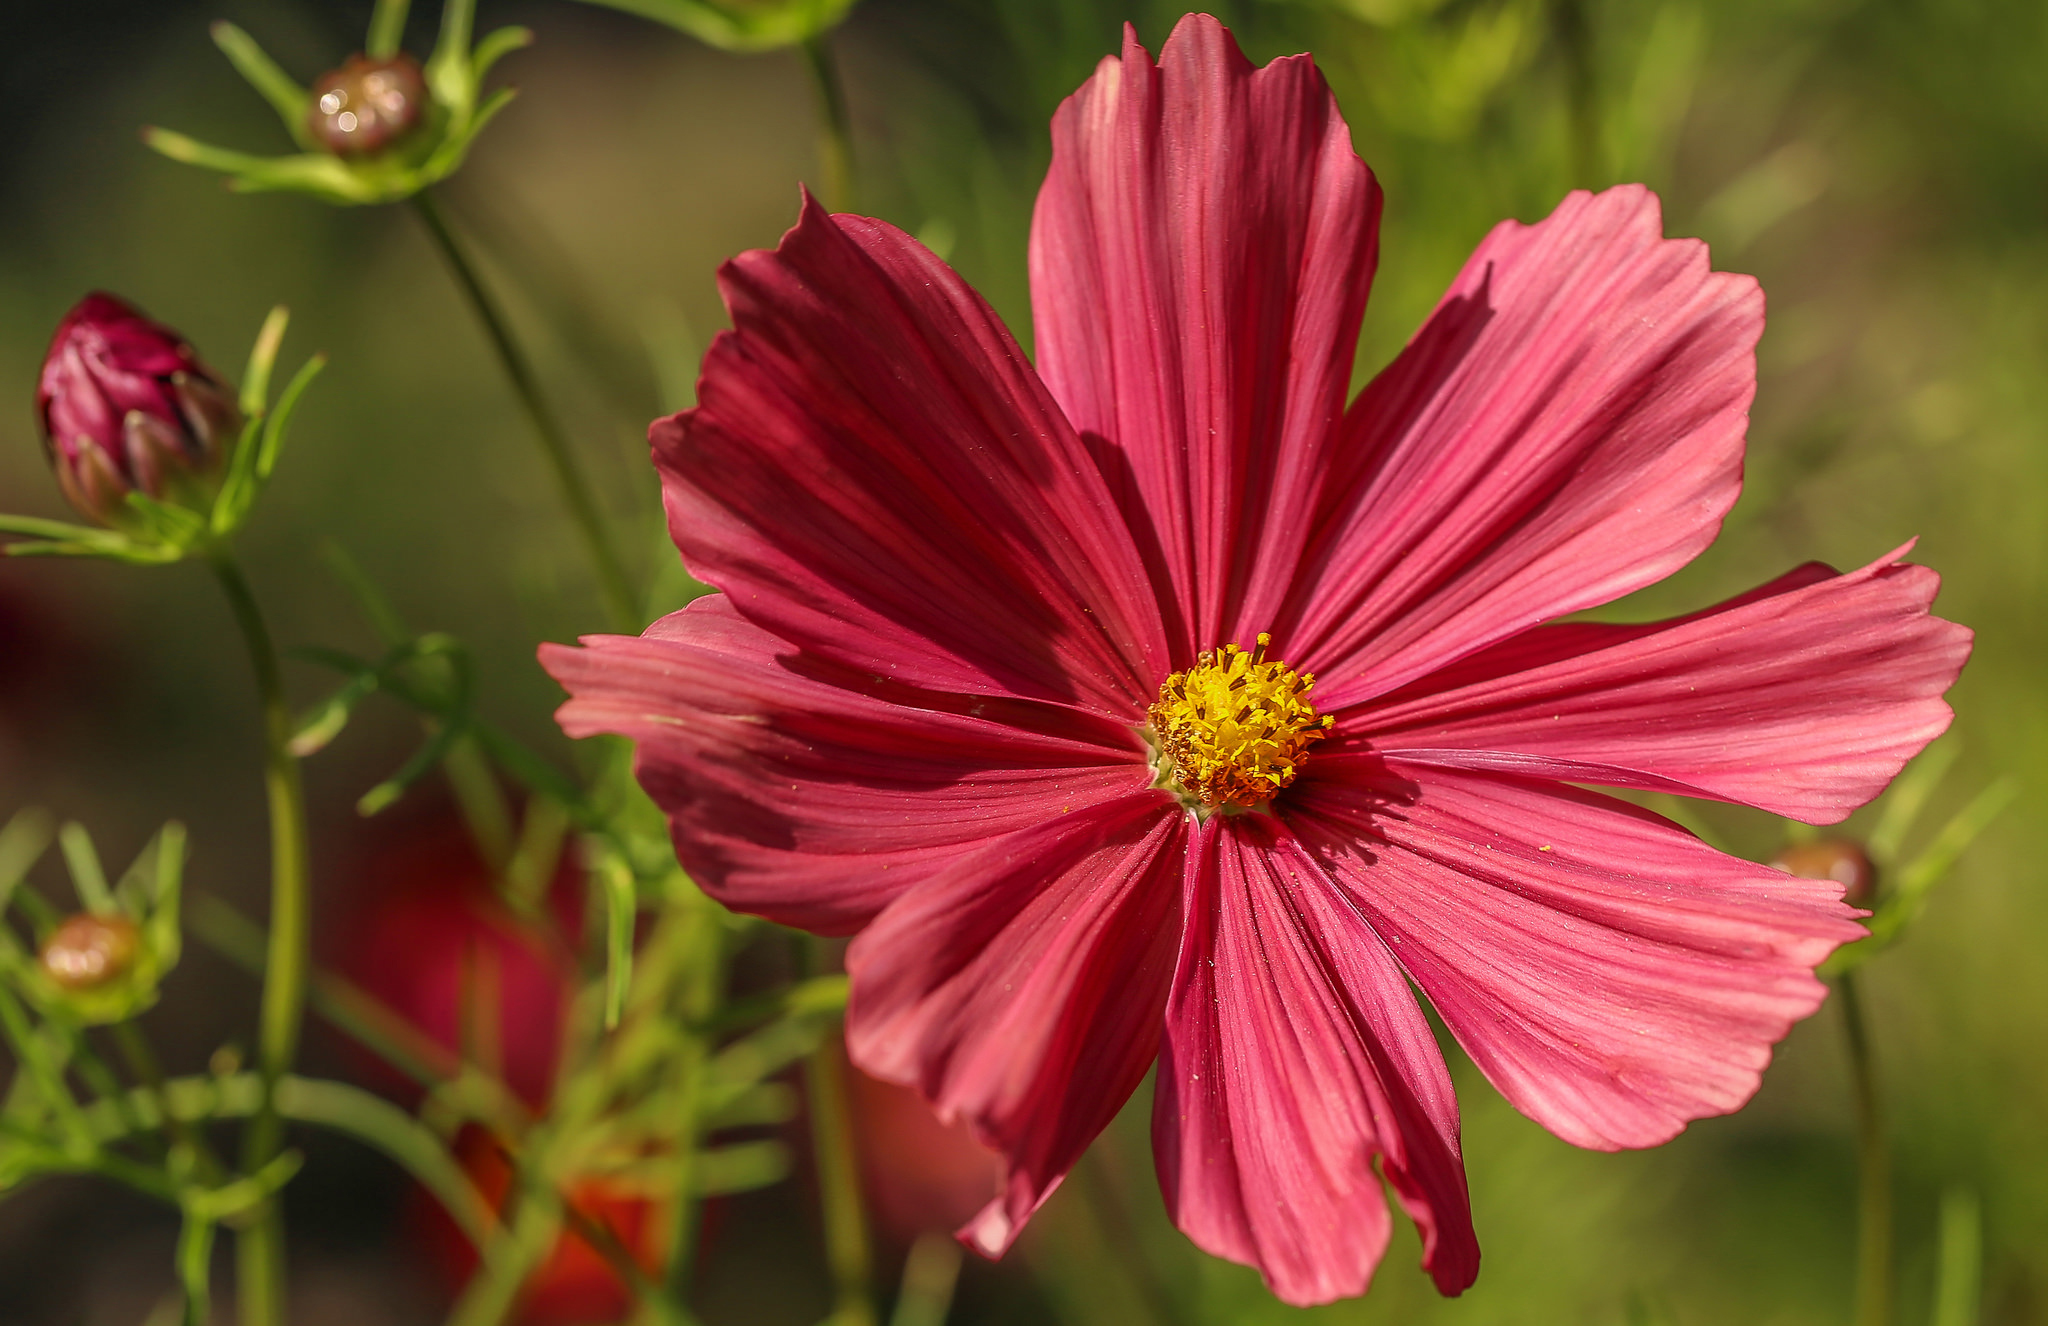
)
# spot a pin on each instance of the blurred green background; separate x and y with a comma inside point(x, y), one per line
point(1881, 166)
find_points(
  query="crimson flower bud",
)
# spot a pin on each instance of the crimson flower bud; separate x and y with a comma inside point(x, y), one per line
point(366, 105)
point(87, 951)
point(1837, 859)
point(127, 406)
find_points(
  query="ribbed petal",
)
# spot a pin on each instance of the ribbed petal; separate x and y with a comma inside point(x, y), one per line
point(1294, 1055)
point(1805, 701)
point(876, 474)
point(1613, 976)
point(1200, 258)
point(1565, 428)
point(811, 795)
point(1022, 989)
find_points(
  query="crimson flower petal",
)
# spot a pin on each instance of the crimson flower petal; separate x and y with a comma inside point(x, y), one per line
point(876, 475)
point(815, 797)
point(1612, 975)
point(1565, 428)
point(1200, 257)
point(1022, 989)
point(1294, 1055)
point(1805, 701)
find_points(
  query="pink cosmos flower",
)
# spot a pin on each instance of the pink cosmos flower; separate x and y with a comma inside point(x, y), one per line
point(1010, 673)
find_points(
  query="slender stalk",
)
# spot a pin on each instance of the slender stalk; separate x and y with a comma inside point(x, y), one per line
point(702, 959)
point(930, 1274)
point(259, 1251)
point(1100, 1190)
point(847, 1251)
point(1574, 34)
point(835, 127)
point(1874, 1164)
point(613, 583)
point(536, 1222)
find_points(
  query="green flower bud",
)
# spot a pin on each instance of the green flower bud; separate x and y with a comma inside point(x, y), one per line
point(90, 952)
point(366, 105)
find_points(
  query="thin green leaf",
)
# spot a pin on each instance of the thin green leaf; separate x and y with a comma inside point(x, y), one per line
point(387, 29)
point(273, 428)
point(262, 359)
point(286, 97)
point(317, 173)
point(398, 1135)
point(765, 1105)
point(621, 911)
point(22, 844)
point(495, 47)
point(238, 487)
point(242, 1195)
point(133, 554)
point(163, 930)
point(449, 154)
point(740, 1167)
point(447, 68)
point(384, 619)
point(325, 722)
point(165, 525)
point(57, 529)
point(87, 877)
point(1909, 793)
point(1934, 862)
point(730, 26)
point(537, 854)
point(180, 147)
point(37, 908)
point(820, 996)
point(423, 762)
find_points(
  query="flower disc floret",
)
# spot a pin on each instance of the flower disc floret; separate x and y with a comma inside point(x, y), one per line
point(1234, 729)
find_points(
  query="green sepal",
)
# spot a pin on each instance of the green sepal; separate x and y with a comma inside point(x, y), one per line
point(286, 97)
point(387, 29)
point(741, 25)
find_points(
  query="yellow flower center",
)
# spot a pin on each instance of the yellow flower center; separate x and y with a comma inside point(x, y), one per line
point(1233, 730)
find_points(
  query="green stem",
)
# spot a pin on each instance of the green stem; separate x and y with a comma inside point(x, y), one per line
point(847, 1250)
point(259, 1249)
point(835, 127)
point(1874, 1163)
point(702, 959)
point(613, 582)
point(510, 1258)
point(1574, 32)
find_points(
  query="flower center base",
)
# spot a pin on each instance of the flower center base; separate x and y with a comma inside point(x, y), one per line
point(1233, 730)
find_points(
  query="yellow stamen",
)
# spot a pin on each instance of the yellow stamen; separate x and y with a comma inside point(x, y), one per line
point(1233, 730)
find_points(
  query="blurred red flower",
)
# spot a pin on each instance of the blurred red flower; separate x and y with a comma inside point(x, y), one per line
point(429, 927)
point(920, 1174)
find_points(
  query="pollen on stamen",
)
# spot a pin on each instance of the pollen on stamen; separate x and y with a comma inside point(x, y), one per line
point(1234, 730)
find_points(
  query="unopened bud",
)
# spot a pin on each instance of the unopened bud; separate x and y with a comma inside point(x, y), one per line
point(1837, 859)
point(127, 406)
point(87, 952)
point(366, 105)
